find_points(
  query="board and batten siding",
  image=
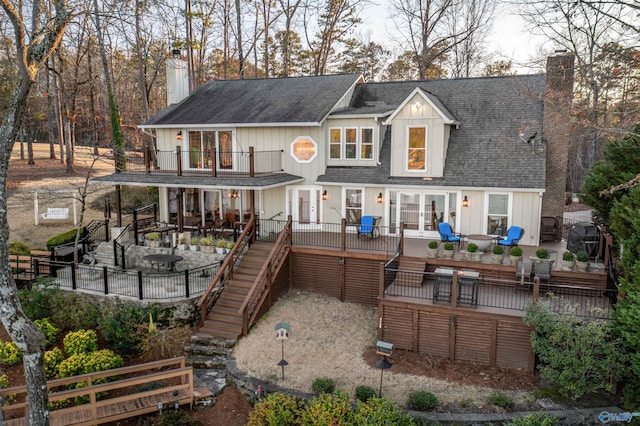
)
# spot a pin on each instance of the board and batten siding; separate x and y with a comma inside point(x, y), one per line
point(357, 123)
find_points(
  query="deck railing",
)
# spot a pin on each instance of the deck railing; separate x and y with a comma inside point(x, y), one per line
point(136, 284)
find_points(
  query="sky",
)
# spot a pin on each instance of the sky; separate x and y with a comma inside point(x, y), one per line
point(509, 38)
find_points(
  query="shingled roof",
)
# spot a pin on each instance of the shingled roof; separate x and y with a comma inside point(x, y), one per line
point(291, 101)
point(484, 151)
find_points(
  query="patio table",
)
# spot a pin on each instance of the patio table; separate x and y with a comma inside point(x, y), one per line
point(482, 241)
point(169, 260)
point(444, 280)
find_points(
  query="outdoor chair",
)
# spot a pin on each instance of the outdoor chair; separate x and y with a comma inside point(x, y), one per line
point(369, 226)
point(514, 234)
point(542, 271)
point(447, 234)
point(523, 275)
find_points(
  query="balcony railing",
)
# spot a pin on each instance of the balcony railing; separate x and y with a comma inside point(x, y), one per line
point(212, 163)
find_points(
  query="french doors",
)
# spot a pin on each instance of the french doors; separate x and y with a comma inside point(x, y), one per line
point(421, 211)
point(303, 204)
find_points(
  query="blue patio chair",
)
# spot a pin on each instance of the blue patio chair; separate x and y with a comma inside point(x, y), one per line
point(514, 234)
point(447, 235)
point(369, 226)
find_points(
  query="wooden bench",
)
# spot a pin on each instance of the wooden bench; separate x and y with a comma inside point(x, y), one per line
point(136, 390)
point(56, 213)
point(21, 267)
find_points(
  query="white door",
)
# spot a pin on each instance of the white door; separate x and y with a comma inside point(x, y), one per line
point(303, 205)
point(422, 211)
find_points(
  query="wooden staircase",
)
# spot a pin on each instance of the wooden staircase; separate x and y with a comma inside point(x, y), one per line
point(224, 321)
point(410, 271)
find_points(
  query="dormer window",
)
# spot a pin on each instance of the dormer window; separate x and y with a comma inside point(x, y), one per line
point(417, 149)
point(351, 143)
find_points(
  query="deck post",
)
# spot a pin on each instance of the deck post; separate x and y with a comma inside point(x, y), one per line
point(186, 283)
point(343, 234)
point(73, 277)
point(214, 167)
point(536, 288)
point(454, 290)
point(140, 295)
point(105, 279)
point(179, 160)
point(252, 170)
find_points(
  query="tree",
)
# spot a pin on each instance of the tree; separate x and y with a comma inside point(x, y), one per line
point(35, 38)
point(498, 68)
point(367, 59)
point(406, 67)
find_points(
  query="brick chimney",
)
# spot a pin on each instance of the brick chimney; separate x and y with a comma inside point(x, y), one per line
point(177, 79)
point(557, 130)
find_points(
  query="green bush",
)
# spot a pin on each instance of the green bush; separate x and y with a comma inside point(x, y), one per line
point(49, 330)
point(20, 248)
point(433, 245)
point(275, 409)
point(66, 238)
point(542, 253)
point(72, 366)
point(582, 256)
point(449, 246)
point(472, 248)
point(325, 408)
point(378, 411)
point(9, 353)
point(422, 401)
point(535, 419)
point(323, 385)
point(102, 360)
point(74, 312)
point(37, 301)
point(499, 399)
point(364, 393)
point(498, 249)
point(120, 326)
point(177, 418)
point(80, 342)
point(515, 251)
point(4, 381)
point(52, 360)
point(567, 256)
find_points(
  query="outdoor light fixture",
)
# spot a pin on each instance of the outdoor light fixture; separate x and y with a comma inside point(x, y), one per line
point(233, 194)
point(379, 198)
point(282, 333)
point(465, 202)
point(179, 135)
point(325, 196)
point(418, 105)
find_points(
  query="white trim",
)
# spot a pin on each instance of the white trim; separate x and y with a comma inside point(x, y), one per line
point(210, 187)
point(419, 91)
point(406, 149)
point(487, 194)
point(339, 142)
point(358, 143)
point(438, 188)
point(344, 199)
point(223, 125)
point(315, 149)
point(378, 115)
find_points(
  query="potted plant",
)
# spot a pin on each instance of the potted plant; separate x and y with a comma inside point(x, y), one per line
point(582, 261)
point(206, 244)
point(182, 243)
point(230, 245)
point(515, 255)
point(194, 244)
point(472, 253)
point(568, 261)
point(448, 250)
point(152, 239)
point(497, 255)
point(221, 246)
point(432, 250)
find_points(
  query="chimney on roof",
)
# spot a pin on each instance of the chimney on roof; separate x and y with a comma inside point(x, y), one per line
point(177, 78)
point(557, 130)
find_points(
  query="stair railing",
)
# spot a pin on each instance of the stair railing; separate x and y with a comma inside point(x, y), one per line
point(225, 273)
point(261, 287)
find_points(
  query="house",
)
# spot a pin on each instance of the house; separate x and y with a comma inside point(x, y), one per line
point(480, 153)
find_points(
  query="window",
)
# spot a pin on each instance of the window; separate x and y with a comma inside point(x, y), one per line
point(498, 214)
point(351, 143)
point(304, 149)
point(417, 147)
point(353, 205)
point(201, 144)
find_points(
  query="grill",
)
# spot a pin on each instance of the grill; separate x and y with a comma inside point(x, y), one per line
point(584, 236)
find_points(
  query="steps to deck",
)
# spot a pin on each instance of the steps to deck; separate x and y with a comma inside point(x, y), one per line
point(410, 272)
point(208, 356)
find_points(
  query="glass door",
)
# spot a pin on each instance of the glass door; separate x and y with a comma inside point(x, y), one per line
point(302, 205)
point(421, 212)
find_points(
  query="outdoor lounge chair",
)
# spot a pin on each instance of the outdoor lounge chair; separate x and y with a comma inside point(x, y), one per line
point(523, 274)
point(514, 234)
point(369, 226)
point(447, 235)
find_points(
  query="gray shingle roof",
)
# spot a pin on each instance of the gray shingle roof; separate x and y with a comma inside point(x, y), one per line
point(274, 100)
point(200, 181)
point(485, 151)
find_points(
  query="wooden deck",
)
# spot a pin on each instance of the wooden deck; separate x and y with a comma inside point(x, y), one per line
point(137, 390)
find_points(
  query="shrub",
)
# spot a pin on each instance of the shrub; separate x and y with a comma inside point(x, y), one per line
point(365, 393)
point(422, 401)
point(582, 256)
point(37, 301)
point(449, 246)
point(72, 366)
point(80, 342)
point(120, 326)
point(325, 408)
point(102, 360)
point(501, 400)
point(49, 330)
point(535, 419)
point(177, 418)
point(542, 253)
point(66, 238)
point(4, 381)
point(515, 251)
point(52, 360)
point(567, 256)
point(433, 245)
point(379, 411)
point(221, 243)
point(498, 249)
point(472, 248)
point(74, 312)
point(19, 248)
point(275, 409)
point(323, 385)
point(9, 353)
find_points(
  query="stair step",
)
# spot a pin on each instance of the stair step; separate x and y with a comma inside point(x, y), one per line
point(225, 334)
point(211, 351)
point(207, 340)
point(207, 362)
point(230, 320)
